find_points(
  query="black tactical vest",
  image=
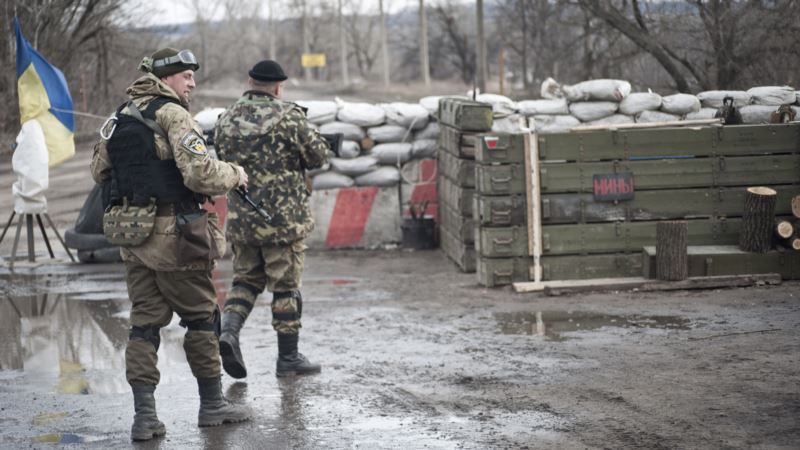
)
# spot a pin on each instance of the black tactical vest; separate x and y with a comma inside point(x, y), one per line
point(137, 173)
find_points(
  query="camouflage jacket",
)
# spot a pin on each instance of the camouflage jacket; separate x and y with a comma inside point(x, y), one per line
point(201, 173)
point(274, 143)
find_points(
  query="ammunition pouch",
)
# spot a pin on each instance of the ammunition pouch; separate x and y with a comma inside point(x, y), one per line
point(194, 238)
point(129, 225)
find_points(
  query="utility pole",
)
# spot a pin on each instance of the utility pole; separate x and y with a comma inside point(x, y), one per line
point(304, 25)
point(271, 27)
point(343, 47)
point(481, 49)
point(423, 46)
point(384, 45)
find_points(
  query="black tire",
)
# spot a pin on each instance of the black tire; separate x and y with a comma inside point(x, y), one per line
point(100, 255)
point(85, 241)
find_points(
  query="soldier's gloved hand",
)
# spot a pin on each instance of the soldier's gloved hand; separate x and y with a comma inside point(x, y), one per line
point(242, 177)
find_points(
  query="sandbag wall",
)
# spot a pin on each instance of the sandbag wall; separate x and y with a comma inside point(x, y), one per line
point(461, 121)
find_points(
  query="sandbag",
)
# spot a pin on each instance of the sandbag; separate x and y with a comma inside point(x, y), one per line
point(207, 118)
point(382, 176)
point(508, 124)
point(391, 154)
point(797, 94)
point(361, 114)
point(423, 148)
point(388, 133)
point(539, 107)
point(752, 114)
point(614, 119)
point(406, 115)
point(588, 111)
point(100, 255)
point(597, 90)
point(331, 180)
point(314, 172)
point(431, 131)
point(354, 167)
point(680, 104)
point(702, 114)
point(500, 103)
point(713, 99)
point(639, 101)
point(656, 116)
point(350, 132)
point(772, 95)
point(319, 112)
point(545, 124)
point(349, 150)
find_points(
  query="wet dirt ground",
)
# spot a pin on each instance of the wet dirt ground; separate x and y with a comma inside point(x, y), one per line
point(417, 355)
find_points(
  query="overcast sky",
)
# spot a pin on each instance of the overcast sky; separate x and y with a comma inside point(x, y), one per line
point(182, 11)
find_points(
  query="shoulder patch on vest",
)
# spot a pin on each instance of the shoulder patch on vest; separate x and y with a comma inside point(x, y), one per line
point(193, 143)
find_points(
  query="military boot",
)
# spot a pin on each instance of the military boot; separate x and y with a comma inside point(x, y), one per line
point(290, 361)
point(216, 409)
point(146, 425)
point(232, 360)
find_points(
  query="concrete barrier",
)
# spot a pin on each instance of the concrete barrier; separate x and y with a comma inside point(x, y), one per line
point(356, 217)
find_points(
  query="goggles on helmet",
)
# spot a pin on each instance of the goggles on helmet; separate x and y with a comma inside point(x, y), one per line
point(183, 57)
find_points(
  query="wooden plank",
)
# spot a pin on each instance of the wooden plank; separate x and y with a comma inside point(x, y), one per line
point(575, 267)
point(714, 140)
point(657, 205)
point(631, 236)
point(676, 173)
point(625, 126)
point(644, 285)
point(708, 260)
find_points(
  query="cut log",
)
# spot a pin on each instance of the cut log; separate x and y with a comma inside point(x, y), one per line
point(672, 238)
point(793, 240)
point(796, 206)
point(783, 228)
point(758, 219)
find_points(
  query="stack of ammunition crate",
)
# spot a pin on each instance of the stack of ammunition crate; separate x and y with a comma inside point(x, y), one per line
point(500, 209)
point(460, 122)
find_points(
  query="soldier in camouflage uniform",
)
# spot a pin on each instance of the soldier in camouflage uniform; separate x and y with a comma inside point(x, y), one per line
point(273, 141)
point(170, 156)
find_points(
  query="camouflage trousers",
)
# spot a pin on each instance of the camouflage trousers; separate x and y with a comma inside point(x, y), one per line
point(276, 268)
point(156, 295)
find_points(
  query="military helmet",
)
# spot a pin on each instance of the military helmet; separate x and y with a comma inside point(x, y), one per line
point(169, 61)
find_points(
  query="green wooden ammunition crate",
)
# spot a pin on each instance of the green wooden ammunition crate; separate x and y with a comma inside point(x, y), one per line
point(493, 272)
point(500, 179)
point(676, 173)
point(456, 197)
point(657, 205)
point(497, 242)
point(460, 171)
point(583, 267)
point(505, 148)
point(466, 115)
point(631, 236)
point(460, 227)
point(711, 140)
point(462, 254)
point(457, 142)
point(709, 260)
point(500, 211)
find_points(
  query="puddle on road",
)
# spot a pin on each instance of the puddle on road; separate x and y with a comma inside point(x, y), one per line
point(551, 324)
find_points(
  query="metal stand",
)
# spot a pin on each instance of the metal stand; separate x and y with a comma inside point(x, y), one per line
point(28, 219)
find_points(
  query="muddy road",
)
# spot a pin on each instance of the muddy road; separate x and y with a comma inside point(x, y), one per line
point(417, 355)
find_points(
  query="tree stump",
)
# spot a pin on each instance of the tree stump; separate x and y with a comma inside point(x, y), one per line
point(758, 220)
point(672, 238)
point(793, 240)
point(783, 228)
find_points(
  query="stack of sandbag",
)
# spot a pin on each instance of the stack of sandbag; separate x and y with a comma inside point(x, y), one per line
point(378, 140)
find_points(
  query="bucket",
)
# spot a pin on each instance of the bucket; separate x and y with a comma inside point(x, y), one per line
point(419, 234)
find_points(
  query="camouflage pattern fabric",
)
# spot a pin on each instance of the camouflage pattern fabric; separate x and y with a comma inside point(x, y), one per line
point(277, 268)
point(274, 143)
point(129, 226)
point(156, 296)
point(201, 173)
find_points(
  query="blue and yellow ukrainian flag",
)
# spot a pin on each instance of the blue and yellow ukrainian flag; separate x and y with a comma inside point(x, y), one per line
point(44, 96)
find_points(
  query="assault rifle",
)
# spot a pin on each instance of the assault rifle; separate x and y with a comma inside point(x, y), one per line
point(257, 207)
point(335, 141)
